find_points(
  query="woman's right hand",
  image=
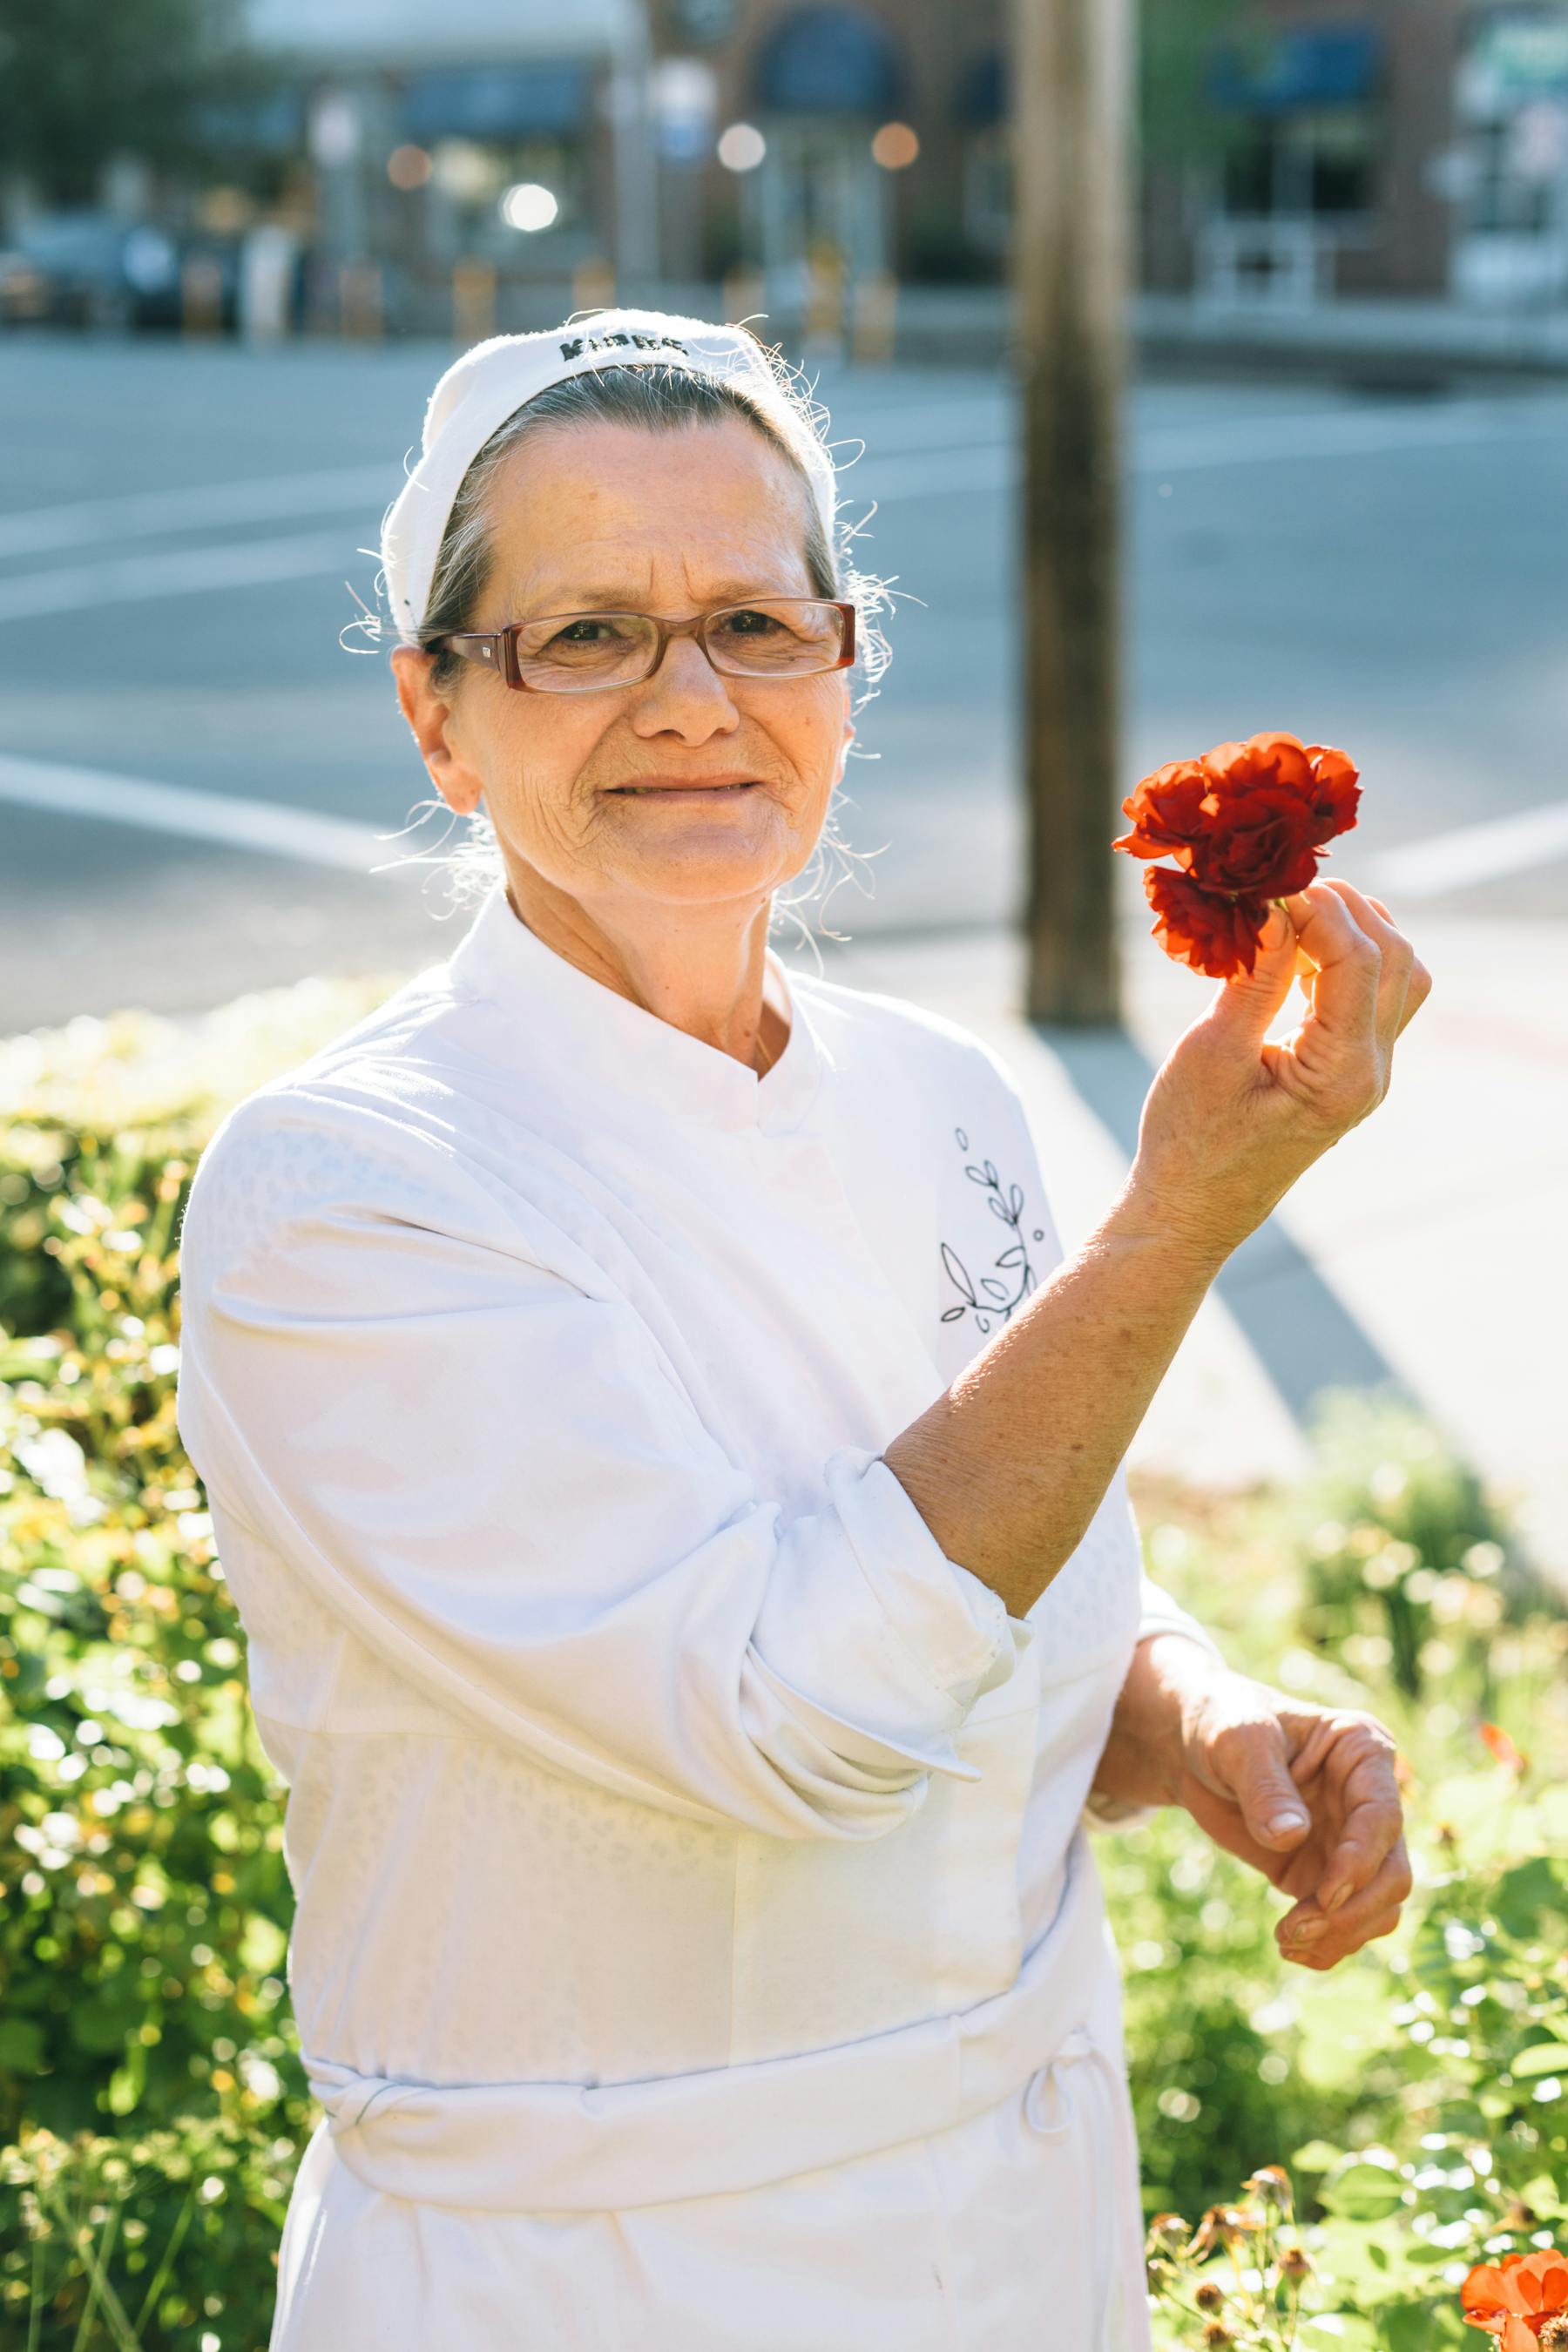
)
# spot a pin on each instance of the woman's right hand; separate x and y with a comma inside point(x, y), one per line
point(1231, 1120)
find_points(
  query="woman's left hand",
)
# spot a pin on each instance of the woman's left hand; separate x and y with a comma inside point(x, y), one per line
point(1251, 1759)
point(1307, 1795)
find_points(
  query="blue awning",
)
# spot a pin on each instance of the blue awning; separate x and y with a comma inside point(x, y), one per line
point(274, 122)
point(985, 95)
point(825, 60)
point(496, 102)
point(1329, 65)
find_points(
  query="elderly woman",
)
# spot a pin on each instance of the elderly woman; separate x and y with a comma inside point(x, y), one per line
point(694, 1635)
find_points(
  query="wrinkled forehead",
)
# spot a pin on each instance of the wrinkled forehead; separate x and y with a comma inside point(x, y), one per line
point(605, 514)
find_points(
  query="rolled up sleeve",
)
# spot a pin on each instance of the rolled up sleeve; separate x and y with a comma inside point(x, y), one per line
point(497, 1482)
point(875, 1621)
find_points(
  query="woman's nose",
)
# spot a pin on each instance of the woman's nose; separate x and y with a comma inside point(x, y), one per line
point(685, 690)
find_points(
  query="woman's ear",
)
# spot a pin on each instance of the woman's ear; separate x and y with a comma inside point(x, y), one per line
point(430, 715)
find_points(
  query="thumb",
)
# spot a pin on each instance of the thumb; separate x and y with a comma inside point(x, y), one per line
point(1244, 1006)
point(1269, 1800)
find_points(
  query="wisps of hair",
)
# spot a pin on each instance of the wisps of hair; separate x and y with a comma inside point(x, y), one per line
point(660, 397)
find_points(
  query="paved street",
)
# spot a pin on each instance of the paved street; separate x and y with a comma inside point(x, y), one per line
point(182, 533)
point(195, 778)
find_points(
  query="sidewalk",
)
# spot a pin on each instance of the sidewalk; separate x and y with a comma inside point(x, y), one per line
point(1408, 338)
point(1426, 1244)
point(973, 326)
point(1353, 335)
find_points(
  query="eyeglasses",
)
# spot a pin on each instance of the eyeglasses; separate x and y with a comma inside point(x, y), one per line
point(582, 653)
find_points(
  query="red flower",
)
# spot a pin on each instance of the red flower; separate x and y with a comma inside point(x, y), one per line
point(1213, 932)
point(1246, 824)
point(1515, 2299)
point(1166, 809)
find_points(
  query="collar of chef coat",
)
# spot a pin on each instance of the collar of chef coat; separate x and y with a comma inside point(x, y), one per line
point(601, 1038)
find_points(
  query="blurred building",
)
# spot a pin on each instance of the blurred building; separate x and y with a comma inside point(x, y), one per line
point(1393, 149)
point(1508, 180)
point(490, 162)
point(873, 130)
point(461, 153)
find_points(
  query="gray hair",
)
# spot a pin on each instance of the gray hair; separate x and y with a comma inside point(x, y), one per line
point(660, 398)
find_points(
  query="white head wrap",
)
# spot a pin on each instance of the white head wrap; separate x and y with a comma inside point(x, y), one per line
point(482, 389)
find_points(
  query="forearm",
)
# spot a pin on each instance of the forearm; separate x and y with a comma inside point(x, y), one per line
point(1010, 1465)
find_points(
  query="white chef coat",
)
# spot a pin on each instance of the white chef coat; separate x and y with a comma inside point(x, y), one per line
point(698, 1944)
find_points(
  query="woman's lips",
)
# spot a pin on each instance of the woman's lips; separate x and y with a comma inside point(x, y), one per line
point(683, 792)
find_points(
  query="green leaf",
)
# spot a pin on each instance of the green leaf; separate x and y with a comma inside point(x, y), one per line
point(1529, 1894)
point(21, 2045)
point(1542, 2058)
point(105, 2019)
point(1339, 2331)
point(1364, 2192)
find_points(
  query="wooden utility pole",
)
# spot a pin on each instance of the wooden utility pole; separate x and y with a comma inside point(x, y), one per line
point(1071, 240)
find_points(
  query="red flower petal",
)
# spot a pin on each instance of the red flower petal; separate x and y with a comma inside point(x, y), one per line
point(1214, 934)
point(1537, 2286)
point(1484, 2293)
point(1337, 793)
point(1495, 1740)
point(1259, 839)
point(1274, 758)
point(1165, 809)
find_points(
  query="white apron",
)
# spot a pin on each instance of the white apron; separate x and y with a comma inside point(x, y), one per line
point(697, 1942)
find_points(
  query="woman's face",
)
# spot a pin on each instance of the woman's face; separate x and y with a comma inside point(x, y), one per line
point(609, 516)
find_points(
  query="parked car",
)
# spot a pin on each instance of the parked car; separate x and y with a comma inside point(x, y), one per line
point(90, 269)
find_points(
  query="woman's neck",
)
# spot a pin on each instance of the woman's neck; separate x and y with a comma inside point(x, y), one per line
point(698, 969)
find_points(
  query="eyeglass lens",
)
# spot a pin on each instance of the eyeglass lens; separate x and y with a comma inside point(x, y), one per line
point(763, 640)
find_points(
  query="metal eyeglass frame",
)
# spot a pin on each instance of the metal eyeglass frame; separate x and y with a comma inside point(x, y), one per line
point(497, 648)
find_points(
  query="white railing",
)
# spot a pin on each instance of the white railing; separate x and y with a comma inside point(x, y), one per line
point(1263, 261)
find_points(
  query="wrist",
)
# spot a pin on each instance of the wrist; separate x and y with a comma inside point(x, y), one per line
point(1144, 1218)
point(1144, 1762)
point(1174, 1677)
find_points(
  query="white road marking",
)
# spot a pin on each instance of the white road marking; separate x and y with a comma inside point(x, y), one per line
point(1345, 433)
point(1243, 441)
point(1420, 869)
point(182, 571)
point(1476, 853)
point(302, 834)
point(151, 514)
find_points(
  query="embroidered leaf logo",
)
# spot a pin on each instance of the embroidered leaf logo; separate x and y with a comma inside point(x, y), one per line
point(989, 1297)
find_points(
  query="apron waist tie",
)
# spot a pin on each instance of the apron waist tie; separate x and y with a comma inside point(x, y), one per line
point(567, 2147)
point(1046, 2111)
